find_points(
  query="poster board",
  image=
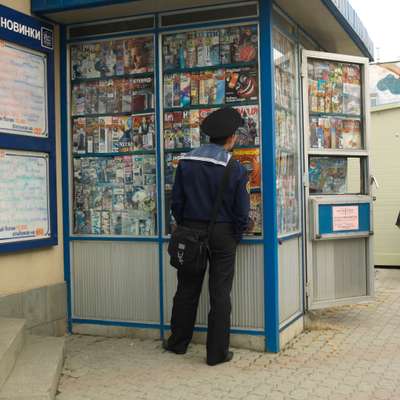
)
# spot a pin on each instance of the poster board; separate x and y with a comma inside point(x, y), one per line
point(23, 91)
point(339, 218)
point(24, 196)
point(28, 187)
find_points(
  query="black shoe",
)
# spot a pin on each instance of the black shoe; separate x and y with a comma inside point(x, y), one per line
point(228, 358)
point(166, 347)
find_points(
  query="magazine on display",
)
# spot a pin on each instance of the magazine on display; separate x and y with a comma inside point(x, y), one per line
point(186, 89)
point(142, 94)
point(255, 214)
point(78, 99)
point(210, 47)
point(334, 87)
point(328, 175)
point(241, 84)
point(250, 159)
point(79, 135)
point(182, 129)
point(112, 58)
point(249, 133)
point(335, 133)
point(285, 127)
point(106, 188)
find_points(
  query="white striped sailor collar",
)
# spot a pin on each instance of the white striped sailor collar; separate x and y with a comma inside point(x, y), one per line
point(210, 152)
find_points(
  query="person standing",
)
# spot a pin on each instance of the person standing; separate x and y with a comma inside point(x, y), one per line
point(197, 181)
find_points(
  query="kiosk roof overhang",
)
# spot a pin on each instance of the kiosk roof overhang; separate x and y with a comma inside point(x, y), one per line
point(332, 23)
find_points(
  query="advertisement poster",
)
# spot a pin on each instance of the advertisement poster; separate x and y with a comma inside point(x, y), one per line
point(345, 218)
point(24, 199)
point(23, 98)
point(385, 83)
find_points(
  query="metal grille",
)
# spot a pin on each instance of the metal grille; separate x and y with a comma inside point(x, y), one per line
point(116, 281)
point(247, 291)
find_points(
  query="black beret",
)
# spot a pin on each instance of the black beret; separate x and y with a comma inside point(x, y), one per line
point(222, 123)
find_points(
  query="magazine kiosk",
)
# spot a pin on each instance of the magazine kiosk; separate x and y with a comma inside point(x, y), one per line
point(135, 92)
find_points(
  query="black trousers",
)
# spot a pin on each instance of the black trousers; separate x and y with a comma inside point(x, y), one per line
point(222, 265)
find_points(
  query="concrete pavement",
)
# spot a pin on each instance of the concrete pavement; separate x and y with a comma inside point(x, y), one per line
point(351, 352)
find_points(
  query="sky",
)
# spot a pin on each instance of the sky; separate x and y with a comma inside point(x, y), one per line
point(381, 18)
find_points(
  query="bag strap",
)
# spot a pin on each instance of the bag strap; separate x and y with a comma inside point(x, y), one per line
point(220, 195)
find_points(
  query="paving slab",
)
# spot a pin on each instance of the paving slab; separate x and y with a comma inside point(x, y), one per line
point(354, 353)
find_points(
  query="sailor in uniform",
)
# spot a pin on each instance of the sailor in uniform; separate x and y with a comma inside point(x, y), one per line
point(196, 184)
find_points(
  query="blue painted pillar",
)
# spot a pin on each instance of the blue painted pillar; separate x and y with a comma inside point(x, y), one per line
point(65, 175)
point(271, 283)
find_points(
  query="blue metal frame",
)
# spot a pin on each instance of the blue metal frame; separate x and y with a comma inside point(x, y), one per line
point(65, 169)
point(150, 325)
point(269, 239)
point(29, 143)
point(160, 183)
point(271, 283)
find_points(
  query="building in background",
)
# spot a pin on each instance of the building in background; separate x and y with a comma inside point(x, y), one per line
point(385, 148)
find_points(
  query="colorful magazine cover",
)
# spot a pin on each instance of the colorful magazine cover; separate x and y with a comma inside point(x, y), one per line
point(250, 159)
point(95, 222)
point(102, 96)
point(79, 135)
point(142, 92)
point(248, 134)
point(171, 164)
point(92, 135)
point(245, 44)
point(138, 55)
point(185, 89)
point(241, 84)
point(91, 97)
point(351, 134)
point(143, 131)
point(328, 175)
point(255, 214)
point(78, 98)
point(126, 96)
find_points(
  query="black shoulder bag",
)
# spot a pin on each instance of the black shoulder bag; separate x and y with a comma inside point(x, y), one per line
point(189, 248)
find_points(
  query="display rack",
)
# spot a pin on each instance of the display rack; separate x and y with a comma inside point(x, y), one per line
point(335, 125)
point(204, 70)
point(113, 137)
point(287, 135)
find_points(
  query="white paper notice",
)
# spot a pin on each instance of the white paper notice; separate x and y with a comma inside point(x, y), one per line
point(23, 91)
point(24, 199)
point(345, 218)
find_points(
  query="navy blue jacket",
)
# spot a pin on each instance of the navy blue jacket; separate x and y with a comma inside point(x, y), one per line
point(196, 184)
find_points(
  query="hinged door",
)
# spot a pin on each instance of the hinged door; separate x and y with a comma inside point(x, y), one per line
point(337, 179)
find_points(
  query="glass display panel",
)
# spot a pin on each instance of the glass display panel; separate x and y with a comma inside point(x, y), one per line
point(287, 135)
point(335, 175)
point(204, 70)
point(23, 88)
point(113, 137)
point(335, 105)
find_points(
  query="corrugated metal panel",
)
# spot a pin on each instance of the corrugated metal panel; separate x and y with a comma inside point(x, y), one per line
point(339, 268)
point(247, 291)
point(115, 280)
point(290, 279)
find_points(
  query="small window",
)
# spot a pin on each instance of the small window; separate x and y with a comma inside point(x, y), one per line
point(103, 28)
point(210, 14)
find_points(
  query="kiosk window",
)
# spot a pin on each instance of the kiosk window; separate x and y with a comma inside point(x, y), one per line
point(113, 137)
point(335, 175)
point(287, 135)
point(203, 70)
